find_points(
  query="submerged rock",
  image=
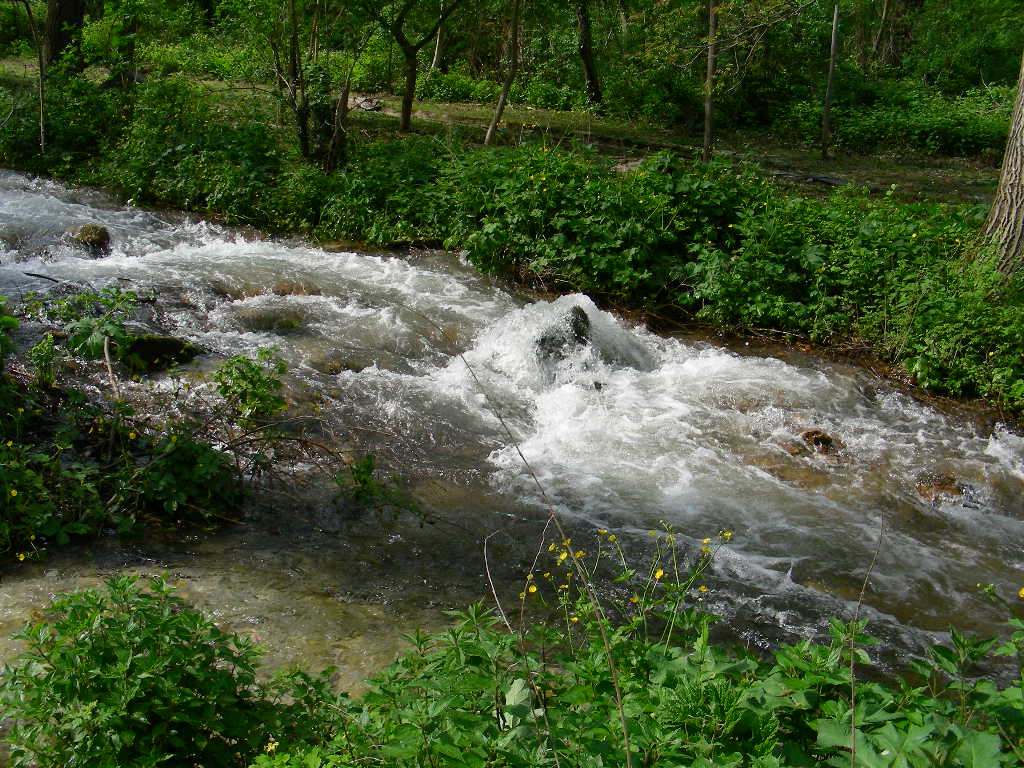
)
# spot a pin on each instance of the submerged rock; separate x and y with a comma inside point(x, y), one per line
point(933, 486)
point(273, 320)
point(93, 238)
point(821, 442)
point(569, 333)
point(153, 352)
point(294, 288)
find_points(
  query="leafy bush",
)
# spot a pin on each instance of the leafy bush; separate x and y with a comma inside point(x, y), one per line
point(179, 151)
point(434, 85)
point(250, 386)
point(568, 692)
point(909, 116)
point(136, 677)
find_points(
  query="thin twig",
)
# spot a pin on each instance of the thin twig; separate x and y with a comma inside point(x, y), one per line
point(853, 636)
point(490, 580)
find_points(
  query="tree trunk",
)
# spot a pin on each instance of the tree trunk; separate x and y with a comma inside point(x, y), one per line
point(63, 20)
point(435, 62)
point(1005, 223)
point(709, 83)
point(586, 49)
point(405, 123)
point(826, 112)
point(620, 6)
point(510, 76)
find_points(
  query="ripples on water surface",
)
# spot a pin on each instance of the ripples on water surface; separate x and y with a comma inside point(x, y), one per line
point(625, 432)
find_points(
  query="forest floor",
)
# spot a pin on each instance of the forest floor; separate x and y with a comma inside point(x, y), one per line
point(913, 177)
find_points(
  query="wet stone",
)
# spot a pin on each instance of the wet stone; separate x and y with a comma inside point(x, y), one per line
point(280, 321)
point(821, 442)
point(94, 239)
point(934, 486)
point(295, 288)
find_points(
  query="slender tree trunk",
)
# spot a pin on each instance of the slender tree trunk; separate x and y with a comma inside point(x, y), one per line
point(586, 50)
point(1005, 223)
point(41, 76)
point(510, 76)
point(405, 123)
point(881, 28)
point(63, 20)
point(435, 62)
point(709, 83)
point(620, 6)
point(826, 112)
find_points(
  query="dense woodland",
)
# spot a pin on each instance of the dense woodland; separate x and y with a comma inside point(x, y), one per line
point(574, 145)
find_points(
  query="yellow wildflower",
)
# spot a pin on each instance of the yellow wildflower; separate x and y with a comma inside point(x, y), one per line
point(602, 531)
point(271, 746)
point(579, 553)
point(702, 588)
point(20, 556)
point(612, 537)
point(532, 588)
point(705, 550)
point(658, 574)
point(634, 599)
point(529, 577)
point(14, 492)
point(562, 555)
point(1020, 593)
point(131, 435)
point(726, 535)
point(574, 619)
point(705, 541)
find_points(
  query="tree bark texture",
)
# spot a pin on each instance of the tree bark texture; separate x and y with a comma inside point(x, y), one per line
point(63, 19)
point(586, 50)
point(1005, 223)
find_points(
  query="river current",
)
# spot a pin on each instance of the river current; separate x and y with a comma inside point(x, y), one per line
point(420, 359)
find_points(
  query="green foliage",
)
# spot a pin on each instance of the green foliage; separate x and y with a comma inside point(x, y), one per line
point(179, 150)
point(7, 323)
point(388, 193)
point(365, 488)
point(433, 85)
point(546, 695)
point(906, 115)
point(250, 385)
point(133, 676)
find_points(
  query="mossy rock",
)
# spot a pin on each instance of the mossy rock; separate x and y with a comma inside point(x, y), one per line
point(280, 321)
point(93, 238)
point(294, 288)
point(152, 352)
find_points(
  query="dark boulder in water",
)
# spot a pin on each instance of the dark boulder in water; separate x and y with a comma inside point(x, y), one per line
point(570, 332)
point(153, 352)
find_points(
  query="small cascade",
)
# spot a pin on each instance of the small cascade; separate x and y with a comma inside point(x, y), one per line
point(808, 464)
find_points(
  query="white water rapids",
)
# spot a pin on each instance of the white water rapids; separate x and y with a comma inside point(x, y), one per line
point(625, 432)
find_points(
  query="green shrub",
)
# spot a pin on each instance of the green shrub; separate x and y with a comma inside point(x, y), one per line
point(178, 150)
point(566, 691)
point(434, 85)
point(250, 385)
point(136, 677)
point(909, 116)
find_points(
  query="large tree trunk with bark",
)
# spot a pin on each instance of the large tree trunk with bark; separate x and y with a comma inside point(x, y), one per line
point(586, 49)
point(63, 20)
point(1005, 223)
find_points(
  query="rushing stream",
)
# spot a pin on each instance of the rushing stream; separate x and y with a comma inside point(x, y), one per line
point(414, 356)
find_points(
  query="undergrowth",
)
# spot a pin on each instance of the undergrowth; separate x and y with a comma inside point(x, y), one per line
point(608, 664)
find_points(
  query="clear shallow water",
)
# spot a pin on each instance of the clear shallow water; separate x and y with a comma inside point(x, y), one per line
point(624, 432)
